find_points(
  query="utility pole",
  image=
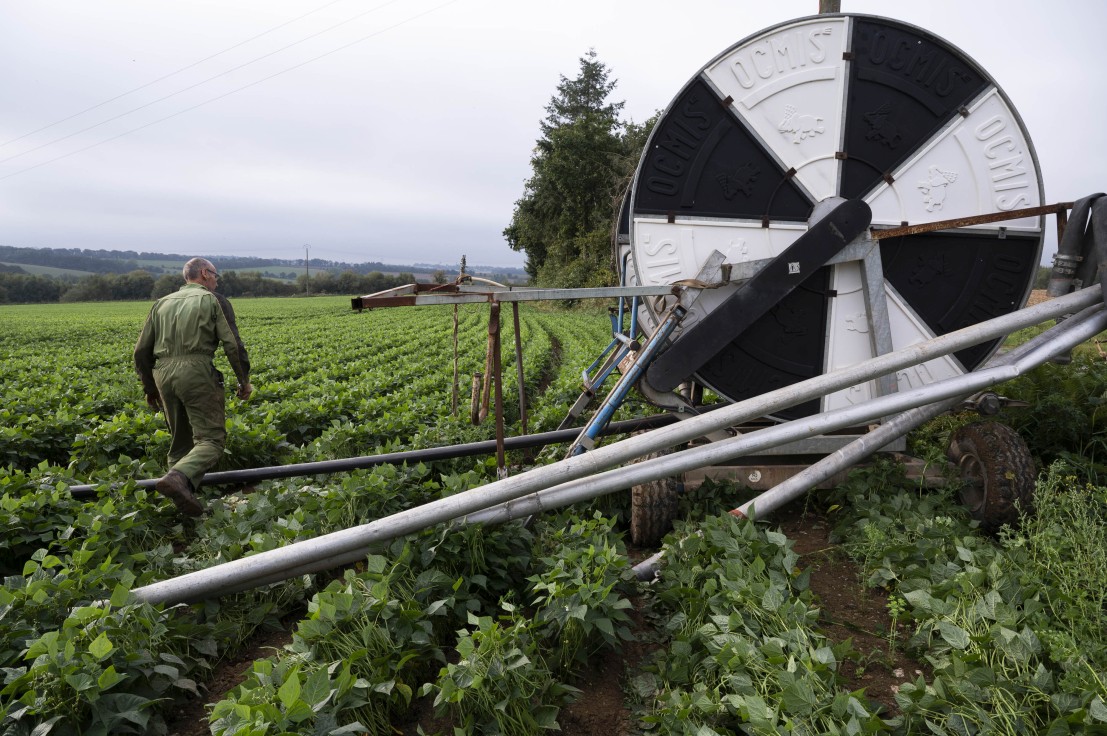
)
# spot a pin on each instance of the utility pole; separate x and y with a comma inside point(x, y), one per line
point(307, 270)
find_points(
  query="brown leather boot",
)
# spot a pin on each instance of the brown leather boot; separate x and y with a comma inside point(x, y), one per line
point(176, 487)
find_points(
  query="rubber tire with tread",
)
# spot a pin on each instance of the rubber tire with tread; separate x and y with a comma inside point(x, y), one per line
point(999, 470)
point(653, 506)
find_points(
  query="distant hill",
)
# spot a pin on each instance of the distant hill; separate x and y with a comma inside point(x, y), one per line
point(73, 261)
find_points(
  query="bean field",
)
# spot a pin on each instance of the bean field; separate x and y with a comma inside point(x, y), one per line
point(489, 630)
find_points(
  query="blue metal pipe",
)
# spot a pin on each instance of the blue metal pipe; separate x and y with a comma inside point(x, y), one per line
point(618, 394)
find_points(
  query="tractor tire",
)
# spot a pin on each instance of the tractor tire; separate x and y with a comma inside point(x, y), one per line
point(653, 506)
point(999, 473)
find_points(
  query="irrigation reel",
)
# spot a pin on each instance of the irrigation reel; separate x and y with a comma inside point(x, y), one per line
point(829, 190)
point(834, 188)
point(833, 226)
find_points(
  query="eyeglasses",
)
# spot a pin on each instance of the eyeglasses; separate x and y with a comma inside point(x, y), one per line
point(213, 273)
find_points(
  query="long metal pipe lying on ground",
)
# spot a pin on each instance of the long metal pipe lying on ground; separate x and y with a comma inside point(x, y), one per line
point(1040, 350)
point(347, 545)
point(869, 443)
point(892, 429)
point(1030, 355)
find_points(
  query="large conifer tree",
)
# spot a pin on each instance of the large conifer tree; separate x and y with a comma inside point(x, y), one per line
point(580, 166)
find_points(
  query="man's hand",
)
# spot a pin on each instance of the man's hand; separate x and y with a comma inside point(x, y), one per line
point(153, 401)
point(244, 390)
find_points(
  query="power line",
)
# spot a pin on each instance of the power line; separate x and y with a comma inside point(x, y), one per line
point(170, 74)
point(205, 81)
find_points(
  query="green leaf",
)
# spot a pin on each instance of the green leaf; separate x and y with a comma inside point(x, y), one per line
point(80, 681)
point(519, 661)
point(953, 634)
point(546, 717)
point(120, 595)
point(45, 643)
point(299, 712)
point(185, 683)
point(109, 678)
point(45, 727)
point(289, 692)
point(774, 598)
point(317, 689)
point(85, 614)
point(824, 655)
point(1097, 709)
point(375, 564)
point(923, 601)
point(101, 647)
point(776, 538)
point(354, 727)
point(168, 670)
point(129, 707)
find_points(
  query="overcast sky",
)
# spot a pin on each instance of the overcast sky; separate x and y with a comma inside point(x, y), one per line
point(401, 131)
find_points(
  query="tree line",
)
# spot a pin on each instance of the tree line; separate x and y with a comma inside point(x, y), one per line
point(95, 261)
point(140, 285)
point(126, 261)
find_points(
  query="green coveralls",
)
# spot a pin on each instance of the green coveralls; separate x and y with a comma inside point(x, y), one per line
point(173, 359)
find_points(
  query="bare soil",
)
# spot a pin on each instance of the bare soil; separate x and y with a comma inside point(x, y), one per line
point(848, 611)
point(851, 611)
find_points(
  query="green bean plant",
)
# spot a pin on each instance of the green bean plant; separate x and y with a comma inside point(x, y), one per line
point(744, 654)
point(500, 683)
point(1011, 630)
point(581, 589)
point(353, 662)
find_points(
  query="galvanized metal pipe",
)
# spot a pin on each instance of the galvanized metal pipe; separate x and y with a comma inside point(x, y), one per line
point(1034, 353)
point(349, 544)
point(952, 388)
point(1091, 323)
point(899, 425)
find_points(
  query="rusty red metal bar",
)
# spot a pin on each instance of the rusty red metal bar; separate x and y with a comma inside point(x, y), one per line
point(401, 296)
point(1060, 209)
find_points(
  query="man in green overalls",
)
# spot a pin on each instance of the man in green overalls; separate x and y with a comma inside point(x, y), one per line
point(173, 358)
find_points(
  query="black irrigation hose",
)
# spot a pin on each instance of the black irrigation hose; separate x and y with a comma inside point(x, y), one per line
point(323, 467)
